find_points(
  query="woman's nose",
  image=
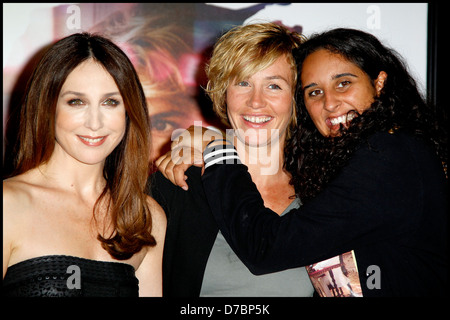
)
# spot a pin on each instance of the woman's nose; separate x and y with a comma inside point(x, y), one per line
point(257, 98)
point(331, 102)
point(94, 118)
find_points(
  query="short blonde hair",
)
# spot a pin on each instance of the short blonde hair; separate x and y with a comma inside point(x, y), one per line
point(243, 51)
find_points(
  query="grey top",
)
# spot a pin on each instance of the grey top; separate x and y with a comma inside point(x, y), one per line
point(226, 275)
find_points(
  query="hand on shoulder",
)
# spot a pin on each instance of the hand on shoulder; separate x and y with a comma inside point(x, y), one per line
point(186, 150)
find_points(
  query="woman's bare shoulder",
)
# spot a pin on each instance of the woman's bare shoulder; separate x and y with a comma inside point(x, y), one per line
point(17, 194)
point(16, 215)
point(158, 216)
point(155, 207)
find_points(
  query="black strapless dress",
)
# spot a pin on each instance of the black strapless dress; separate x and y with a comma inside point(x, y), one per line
point(68, 276)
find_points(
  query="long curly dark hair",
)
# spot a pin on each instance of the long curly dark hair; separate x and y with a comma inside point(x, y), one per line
point(313, 159)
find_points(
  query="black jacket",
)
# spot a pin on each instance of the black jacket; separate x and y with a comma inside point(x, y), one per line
point(389, 205)
point(190, 234)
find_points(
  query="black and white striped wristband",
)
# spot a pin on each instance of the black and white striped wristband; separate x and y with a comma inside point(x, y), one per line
point(220, 154)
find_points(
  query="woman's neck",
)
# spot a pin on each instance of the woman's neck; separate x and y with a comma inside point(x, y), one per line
point(262, 160)
point(265, 165)
point(65, 172)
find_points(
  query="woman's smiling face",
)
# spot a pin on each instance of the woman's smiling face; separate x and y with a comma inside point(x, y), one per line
point(90, 114)
point(262, 103)
point(333, 87)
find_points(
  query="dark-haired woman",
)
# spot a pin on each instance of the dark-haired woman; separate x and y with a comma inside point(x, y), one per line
point(76, 218)
point(367, 163)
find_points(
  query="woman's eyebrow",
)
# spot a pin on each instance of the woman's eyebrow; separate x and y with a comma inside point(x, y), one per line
point(276, 77)
point(309, 86)
point(75, 93)
point(334, 77)
point(81, 94)
point(340, 75)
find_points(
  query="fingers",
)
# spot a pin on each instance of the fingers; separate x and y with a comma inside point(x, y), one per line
point(161, 159)
point(166, 165)
point(179, 178)
point(174, 164)
point(186, 150)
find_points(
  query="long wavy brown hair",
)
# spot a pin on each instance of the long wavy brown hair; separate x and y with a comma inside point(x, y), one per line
point(312, 159)
point(126, 168)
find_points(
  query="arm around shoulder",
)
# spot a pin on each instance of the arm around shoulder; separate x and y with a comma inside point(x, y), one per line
point(365, 203)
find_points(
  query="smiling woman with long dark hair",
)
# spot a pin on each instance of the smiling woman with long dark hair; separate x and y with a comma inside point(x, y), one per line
point(398, 107)
point(77, 195)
